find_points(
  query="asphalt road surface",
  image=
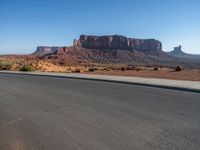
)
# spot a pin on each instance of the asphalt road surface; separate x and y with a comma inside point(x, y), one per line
point(49, 113)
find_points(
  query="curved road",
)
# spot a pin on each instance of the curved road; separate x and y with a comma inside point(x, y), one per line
point(49, 113)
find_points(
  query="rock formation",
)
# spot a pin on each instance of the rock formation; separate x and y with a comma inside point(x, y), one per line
point(76, 54)
point(118, 42)
point(178, 53)
point(43, 50)
point(105, 49)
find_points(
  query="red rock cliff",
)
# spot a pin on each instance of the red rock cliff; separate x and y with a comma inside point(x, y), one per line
point(118, 42)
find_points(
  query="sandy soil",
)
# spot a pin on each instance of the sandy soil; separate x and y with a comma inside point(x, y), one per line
point(192, 74)
point(47, 66)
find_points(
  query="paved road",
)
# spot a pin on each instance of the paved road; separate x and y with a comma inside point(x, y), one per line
point(48, 113)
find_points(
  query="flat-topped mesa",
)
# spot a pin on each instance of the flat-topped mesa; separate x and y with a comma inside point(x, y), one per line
point(118, 42)
point(43, 50)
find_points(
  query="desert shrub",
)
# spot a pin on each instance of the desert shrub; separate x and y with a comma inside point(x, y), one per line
point(27, 68)
point(5, 66)
point(139, 69)
point(123, 68)
point(156, 68)
point(179, 68)
point(106, 69)
point(91, 69)
point(77, 71)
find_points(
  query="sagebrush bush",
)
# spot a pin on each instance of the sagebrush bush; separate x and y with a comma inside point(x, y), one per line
point(27, 68)
point(5, 66)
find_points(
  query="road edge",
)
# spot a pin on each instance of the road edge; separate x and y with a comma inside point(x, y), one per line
point(106, 80)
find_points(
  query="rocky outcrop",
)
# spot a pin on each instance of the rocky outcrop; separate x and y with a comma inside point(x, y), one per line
point(44, 50)
point(118, 42)
point(178, 53)
point(77, 54)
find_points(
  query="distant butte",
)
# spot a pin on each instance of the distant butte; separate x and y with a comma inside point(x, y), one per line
point(110, 42)
point(118, 42)
point(178, 53)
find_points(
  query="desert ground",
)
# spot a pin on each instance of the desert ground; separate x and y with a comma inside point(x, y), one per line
point(164, 73)
point(29, 63)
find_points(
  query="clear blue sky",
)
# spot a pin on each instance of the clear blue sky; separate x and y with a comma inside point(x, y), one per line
point(25, 24)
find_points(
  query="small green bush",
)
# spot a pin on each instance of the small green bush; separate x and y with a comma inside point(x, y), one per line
point(27, 68)
point(5, 66)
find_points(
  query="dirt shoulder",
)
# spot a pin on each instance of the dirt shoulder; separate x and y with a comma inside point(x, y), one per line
point(188, 74)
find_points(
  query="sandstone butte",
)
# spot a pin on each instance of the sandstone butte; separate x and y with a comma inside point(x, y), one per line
point(112, 42)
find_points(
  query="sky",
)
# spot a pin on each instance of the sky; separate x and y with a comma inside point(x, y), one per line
point(26, 24)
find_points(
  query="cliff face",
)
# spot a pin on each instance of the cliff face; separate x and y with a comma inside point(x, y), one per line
point(117, 42)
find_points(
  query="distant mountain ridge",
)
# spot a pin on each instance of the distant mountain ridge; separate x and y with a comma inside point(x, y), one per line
point(178, 53)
